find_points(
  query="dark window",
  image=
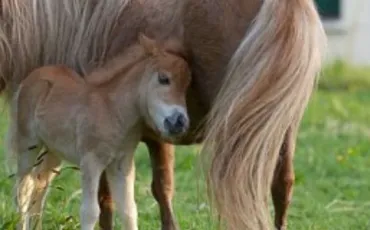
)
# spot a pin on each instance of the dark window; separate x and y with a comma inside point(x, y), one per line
point(329, 9)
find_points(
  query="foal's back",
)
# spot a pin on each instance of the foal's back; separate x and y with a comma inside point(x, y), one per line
point(44, 84)
point(55, 75)
point(52, 94)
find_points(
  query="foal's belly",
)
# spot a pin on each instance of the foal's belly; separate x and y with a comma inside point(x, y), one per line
point(62, 146)
point(57, 130)
point(70, 158)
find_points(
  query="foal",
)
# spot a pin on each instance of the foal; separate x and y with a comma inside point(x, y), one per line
point(95, 123)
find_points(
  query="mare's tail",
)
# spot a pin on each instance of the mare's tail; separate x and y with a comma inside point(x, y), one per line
point(268, 84)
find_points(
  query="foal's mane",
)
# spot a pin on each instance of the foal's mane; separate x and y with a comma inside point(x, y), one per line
point(135, 54)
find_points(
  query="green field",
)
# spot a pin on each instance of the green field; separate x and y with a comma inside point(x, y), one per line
point(332, 162)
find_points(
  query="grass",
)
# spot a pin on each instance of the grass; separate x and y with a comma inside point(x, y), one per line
point(339, 75)
point(332, 166)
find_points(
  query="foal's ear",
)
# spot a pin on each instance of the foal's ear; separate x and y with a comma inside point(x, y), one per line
point(150, 45)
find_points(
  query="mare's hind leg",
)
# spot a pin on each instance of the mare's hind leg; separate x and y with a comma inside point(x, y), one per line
point(105, 204)
point(282, 187)
point(162, 158)
point(121, 179)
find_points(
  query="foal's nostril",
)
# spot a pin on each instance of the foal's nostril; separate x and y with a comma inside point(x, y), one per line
point(176, 123)
point(167, 122)
point(181, 121)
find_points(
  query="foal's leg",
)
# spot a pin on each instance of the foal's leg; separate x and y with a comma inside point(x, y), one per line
point(162, 158)
point(282, 187)
point(91, 170)
point(105, 204)
point(25, 185)
point(42, 175)
point(121, 179)
point(33, 176)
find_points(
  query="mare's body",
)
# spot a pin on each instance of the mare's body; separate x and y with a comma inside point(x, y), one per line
point(262, 95)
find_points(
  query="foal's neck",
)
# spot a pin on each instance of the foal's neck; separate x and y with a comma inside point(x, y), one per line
point(118, 81)
point(117, 68)
point(120, 77)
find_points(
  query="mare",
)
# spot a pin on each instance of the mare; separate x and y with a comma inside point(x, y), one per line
point(254, 64)
point(95, 123)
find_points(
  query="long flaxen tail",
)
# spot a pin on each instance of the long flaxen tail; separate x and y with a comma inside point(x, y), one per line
point(266, 90)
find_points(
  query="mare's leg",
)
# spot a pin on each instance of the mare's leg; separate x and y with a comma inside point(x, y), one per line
point(162, 158)
point(42, 175)
point(282, 187)
point(91, 170)
point(105, 204)
point(121, 179)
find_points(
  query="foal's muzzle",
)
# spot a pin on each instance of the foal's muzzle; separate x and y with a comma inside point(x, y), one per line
point(176, 124)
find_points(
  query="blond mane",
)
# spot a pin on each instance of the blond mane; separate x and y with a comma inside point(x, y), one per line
point(80, 34)
point(74, 33)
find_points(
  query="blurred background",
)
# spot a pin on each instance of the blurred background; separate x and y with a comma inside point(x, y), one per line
point(332, 161)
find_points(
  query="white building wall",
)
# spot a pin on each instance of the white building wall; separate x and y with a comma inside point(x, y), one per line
point(349, 37)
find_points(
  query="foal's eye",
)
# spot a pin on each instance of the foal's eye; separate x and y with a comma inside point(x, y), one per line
point(163, 79)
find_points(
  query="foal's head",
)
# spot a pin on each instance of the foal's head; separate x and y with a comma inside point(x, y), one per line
point(163, 89)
